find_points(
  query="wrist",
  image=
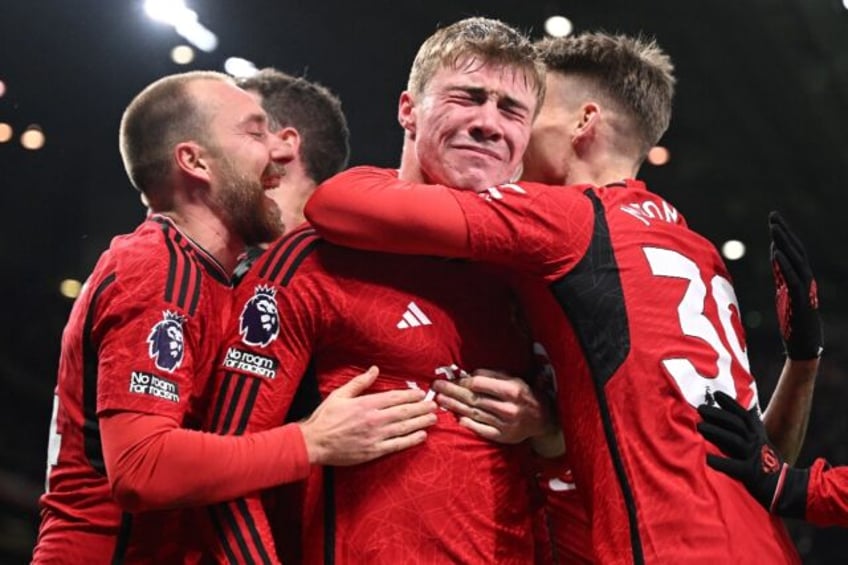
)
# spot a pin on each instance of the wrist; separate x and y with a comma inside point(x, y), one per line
point(790, 498)
point(314, 450)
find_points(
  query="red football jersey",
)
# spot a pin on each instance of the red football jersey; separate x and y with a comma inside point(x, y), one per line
point(456, 497)
point(827, 495)
point(132, 343)
point(640, 320)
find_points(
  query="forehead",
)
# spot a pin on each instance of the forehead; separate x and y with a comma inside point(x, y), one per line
point(473, 71)
point(227, 103)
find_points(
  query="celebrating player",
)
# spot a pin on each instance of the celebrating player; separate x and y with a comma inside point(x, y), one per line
point(635, 309)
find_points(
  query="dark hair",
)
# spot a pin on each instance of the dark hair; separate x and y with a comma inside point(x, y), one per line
point(314, 111)
point(159, 117)
point(633, 72)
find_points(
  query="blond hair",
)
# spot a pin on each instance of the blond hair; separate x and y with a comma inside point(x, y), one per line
point(491, 40)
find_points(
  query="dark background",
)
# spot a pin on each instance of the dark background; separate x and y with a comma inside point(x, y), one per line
point(761, 123)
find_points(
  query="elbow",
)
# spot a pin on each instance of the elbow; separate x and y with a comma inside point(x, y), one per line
point(133, 495)
point(128, 495)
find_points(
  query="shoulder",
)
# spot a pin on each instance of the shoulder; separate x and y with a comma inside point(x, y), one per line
point(285, 257)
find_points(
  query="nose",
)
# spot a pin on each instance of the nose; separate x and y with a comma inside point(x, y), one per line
point(486, 125)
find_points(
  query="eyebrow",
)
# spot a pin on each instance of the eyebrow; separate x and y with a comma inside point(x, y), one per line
point(254, 118)
point(478, 92)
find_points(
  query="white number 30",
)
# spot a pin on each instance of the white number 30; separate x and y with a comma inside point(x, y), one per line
point(693, 322)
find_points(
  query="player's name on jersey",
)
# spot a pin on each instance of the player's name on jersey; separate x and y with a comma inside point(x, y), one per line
point(247, 362)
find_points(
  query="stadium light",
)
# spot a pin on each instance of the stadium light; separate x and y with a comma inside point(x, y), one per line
point(184, 21)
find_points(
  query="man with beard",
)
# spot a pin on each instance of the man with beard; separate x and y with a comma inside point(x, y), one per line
point(473, 92)
point(142, 338)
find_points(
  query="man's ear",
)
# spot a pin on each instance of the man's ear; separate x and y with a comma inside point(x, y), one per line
point(406, 112)
point(588, 121)
point(191, 159)
point(291, 141)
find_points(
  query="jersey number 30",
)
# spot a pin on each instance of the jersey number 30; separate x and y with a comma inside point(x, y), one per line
point(694, 323)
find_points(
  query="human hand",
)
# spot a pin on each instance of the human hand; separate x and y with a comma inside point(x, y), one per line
point(752, 459)
point(350, 427)
point(496, 406)
point(796, 293)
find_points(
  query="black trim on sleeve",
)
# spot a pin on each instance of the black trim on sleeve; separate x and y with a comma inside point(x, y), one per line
point(91, 424)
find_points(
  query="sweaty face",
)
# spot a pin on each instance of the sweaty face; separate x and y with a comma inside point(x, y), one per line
point(550, 148)
point(472, 123)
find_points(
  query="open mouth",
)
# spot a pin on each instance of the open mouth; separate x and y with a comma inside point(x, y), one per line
point(271, 182)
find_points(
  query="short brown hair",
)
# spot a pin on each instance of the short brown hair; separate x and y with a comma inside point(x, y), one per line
point(633, 72)
point(159, 117)
point(311, 109)
point(491, 40)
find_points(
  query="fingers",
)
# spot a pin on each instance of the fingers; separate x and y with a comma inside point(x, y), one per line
point(789, 274)
point(729, 403)
point(731, 467)
point(496, 384)
point(358, 384)
point(464, 410)
point(405, 411)
point(405, 426)
point(727, 441)
point(485, 431)
point(398, 443)
point(785, 240)
point(722, 418)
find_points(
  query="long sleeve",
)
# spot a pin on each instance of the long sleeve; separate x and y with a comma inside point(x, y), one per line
point(827, 495)
point(153, 464)
point(370, 208)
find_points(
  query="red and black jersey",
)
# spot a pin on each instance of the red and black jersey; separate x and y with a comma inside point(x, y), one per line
point(639, 318)
point(132, 343)
point(454, 498)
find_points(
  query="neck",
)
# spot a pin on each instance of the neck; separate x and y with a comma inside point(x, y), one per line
point(208, 231)
point(410, 168)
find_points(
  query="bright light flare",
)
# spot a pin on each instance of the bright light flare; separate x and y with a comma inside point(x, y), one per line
point(184, 20)
point(658, 155)
point(172, 12)
point(733, 250)
point(559, 26)
point(33, 138)
point(6, 132)
point(70, 288)
point(2, 88)
point(182, 54)
point(240, 68)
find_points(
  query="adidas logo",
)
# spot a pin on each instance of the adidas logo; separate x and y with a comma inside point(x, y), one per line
point(413, 317)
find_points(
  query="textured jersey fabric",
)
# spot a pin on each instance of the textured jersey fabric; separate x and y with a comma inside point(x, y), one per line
point(305, 302)
point(640, 321)
point(142, 337)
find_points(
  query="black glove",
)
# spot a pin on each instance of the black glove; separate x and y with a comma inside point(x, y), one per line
point(740, 434)
point(796, 293)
